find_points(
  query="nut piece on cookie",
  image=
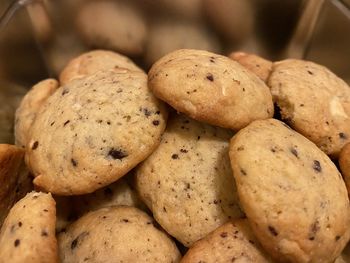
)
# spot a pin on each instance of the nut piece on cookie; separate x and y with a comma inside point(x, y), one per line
point(93, 61)
point(14, 178)
point(258, 65)
point(187, 182)
point(344, 164)
point(233, 241)
point(27, 110)
point(93, 131)
point(210, 88)
point(28, 233)
point(118, 193)
point(112, 25)
point(293, 195)
point(118, 234)
point(313, 101)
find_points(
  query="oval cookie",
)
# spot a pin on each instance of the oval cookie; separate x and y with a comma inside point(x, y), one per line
point(27, 110)
point(28, 233)
point(292, 193)
point(187, 182)
point(112, 25)
point(314, 102)
point(210, 88)
point(232, 242)
point(116, 234)
point(93, 131)
point(93, 61)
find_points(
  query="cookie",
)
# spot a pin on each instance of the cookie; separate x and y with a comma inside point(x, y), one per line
point(234, 20)
point(93, 61)
point(14, 178)
point(314, 102)
point(187, 182)
point(27, 110)
point(344, 164)
point(28, 233)
point(93, 131)
point(116, 234)
point(210, 88)
point(112, 25)
point(258, 65)
point(118, 193)
point(183, 35)
point(293, 195)
point(233, 241)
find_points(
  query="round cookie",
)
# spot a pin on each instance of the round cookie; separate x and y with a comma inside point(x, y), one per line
point(210, 88)
point(27, 110)
point(118, 193)
point(293, 195)
point(187, 182)
point(93, 61)
point(183, 35)
point(313, 101)
point(233, 241)
point(116, 234)
point(112, 25)
point(344, 164)
point(28, 233)
point(258, 65)
point(93, 131)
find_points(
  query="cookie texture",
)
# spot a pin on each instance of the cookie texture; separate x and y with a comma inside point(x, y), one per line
point(93, 131)
point(293, 195)
point(116, 234)
point(27, 110)
point(232, 242)
point(187, 182)
point(14, 178)
point(258, 65)
point(205, 85)
point(28, 233)
point(93, 61)
point(314, 102)
point(112, 25)
point(118, 193)
point(344, 164)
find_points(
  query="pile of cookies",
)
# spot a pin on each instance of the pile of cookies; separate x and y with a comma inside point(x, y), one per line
point(207, 158)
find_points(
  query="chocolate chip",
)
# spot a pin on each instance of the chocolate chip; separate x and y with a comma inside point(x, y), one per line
point(251, 242)
point(273, 231)
point(294, 152)
point(198, 138)
point(65, 91)
point(125, 220)
point(155, 123)
point(175, 156)
point(52, 123)
point(17, 242)
point(337, 238)
point(210, 77)
point(314, 228)
point(19, 223)
point(342, 136)
point(240, 148)
point(243, 172)
point(223, 234)
point(117, 154)
point(68, 121)
point(317, 166)
point(146, 111)
point(74, 162)
point(44, 233)
point(310, 72)
point(35, 145)
point(183, 150)
point(74, 244)
point(78, 239)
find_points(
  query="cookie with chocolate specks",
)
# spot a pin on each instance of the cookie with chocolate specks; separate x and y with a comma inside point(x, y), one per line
point(28, 233)
point(93, 131)
point(116, 234)
point(293, 195)
point(210, 88)
point(187, 182)
point(313, 101)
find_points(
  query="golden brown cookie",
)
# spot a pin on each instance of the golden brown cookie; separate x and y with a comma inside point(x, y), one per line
point(187, 182)
point(232, 242)
point(258, 65)
point(93, 61)
point(313, 101)
point(293, 195)
point(116, 234)
point(210, 88)
point(27, 110)
point(93, 131)
point(28, 233)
